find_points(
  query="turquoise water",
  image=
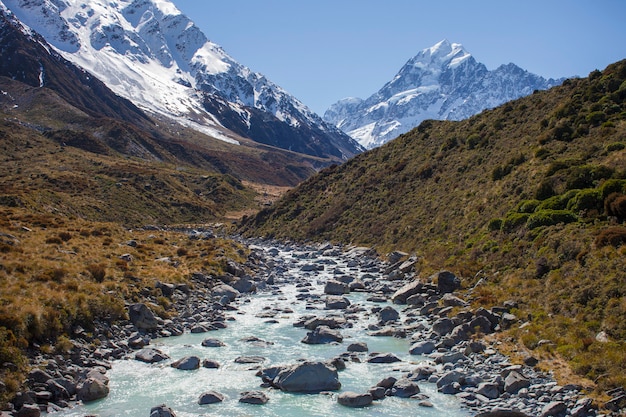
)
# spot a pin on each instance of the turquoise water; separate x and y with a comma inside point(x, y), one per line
point(136, 386)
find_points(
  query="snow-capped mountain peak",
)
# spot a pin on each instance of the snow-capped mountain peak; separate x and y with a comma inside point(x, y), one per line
point(152, 54)
point(440, 82)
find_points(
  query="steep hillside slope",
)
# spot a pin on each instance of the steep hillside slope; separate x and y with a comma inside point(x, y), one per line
point(443, 82)
point(530, 196)
point(71, 145)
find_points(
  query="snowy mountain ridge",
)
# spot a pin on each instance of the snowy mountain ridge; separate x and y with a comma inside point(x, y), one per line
point(150, 53)
point(441, 82)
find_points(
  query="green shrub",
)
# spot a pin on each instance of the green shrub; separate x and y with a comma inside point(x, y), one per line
point(527, 206)
point(545, 190)
point(612, 186)
point(473, 140)
point(557, 202)
point(550, 218)
point(513, 221)
point(595, 118)
point(586, 176)
point(494, 224)
point(542, 153)
point(589, 199)
point(617, 146)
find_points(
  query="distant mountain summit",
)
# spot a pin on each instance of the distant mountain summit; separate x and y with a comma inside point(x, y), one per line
point(150, 53)
point(442, 82)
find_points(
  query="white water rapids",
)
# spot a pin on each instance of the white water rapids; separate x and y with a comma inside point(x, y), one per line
point(136, 387)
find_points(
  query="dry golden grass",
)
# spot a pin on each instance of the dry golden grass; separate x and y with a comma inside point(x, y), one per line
point(58, 273)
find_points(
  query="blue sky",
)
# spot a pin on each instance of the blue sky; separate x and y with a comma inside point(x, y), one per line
point(324, 50)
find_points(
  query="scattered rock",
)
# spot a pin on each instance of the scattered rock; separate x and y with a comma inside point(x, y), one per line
point(250, 359)
point(515, 382)
point(357, 347)
point(422, 348)
point(446, 281)
point(336, 302)
point(150, 355)
point(352, 399)
point(401, 295)
point(383, 358)
point(29, 410)
point(92, 389)
point(225, 292)
point(322, 335)
point(253, 397)
point(333, 287)
point(162, 411)
point(405, 388)
point(142, 317)
point(210, 364)
point(554, 409)
point(212, 343)
point(187, 363)
point(309, 377)
point(210, 397)
point(388, 314)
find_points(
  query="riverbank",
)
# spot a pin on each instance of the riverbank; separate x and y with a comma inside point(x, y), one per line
point(442, 331)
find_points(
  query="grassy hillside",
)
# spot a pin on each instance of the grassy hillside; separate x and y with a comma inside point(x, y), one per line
point(530, 196)
point(55, 157)
point(61, 274)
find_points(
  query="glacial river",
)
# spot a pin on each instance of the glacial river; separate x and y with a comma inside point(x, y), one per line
point(136, 387)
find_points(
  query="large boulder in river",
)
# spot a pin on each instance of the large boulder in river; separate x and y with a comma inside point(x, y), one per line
point(309, 377)
point(334, 287)
point(210, 397)
point(405, 388)
point(334, 302)
point(388, 314)
point(162, 411)
point(332, 322)
point(413, 288)
point(142, 317)
point(254, 397)
point(352, 399)
point(188, 363)
point(150, 355)
point(322, 335)
point(446, 281)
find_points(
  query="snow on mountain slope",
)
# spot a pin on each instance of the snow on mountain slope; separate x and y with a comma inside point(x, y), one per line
point(152, 54)
point(441, 82)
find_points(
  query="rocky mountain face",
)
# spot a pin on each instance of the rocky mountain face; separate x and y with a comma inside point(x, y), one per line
point(148, 52)
point(443, 82)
